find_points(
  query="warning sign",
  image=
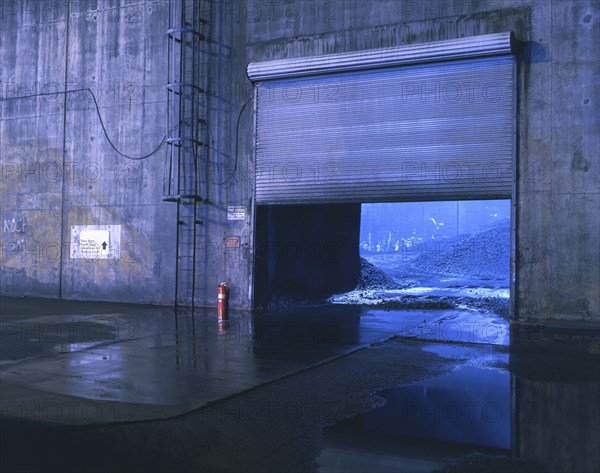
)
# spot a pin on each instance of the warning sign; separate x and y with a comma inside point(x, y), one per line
point(236, 213)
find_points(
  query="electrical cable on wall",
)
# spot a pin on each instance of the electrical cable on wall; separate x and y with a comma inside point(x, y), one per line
point(237, 131)
point(154, 151)
point(162, 142)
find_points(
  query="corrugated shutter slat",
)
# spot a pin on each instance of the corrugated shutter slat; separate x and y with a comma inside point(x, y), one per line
point(419, 132)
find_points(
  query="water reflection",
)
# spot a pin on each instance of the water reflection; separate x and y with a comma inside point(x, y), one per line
point(541, 415)
point(464, 409)
point(556, 409)
point(470, 405)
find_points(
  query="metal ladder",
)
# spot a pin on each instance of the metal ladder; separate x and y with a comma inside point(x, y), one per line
point(186, 137)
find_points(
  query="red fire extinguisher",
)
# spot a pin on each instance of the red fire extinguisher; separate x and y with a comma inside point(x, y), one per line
point(222, 302)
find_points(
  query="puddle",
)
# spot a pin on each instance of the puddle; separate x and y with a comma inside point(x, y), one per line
point(423, 424)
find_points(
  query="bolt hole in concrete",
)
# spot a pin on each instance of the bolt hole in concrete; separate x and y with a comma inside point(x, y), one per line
point(450, 256)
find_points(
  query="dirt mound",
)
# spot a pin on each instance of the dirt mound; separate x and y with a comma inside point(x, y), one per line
point(484, 254)
point(372, 277)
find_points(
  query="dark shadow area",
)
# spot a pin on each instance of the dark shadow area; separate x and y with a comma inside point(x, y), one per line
point(305, 253)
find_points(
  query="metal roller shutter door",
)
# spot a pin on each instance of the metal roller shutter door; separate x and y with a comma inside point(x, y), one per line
point(436, 131)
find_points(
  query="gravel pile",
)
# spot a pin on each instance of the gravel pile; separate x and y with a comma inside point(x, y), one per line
point(372, 277)
point(497, 305)
point(484, 254)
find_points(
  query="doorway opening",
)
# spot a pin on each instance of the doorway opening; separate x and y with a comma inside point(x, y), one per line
point(435, 255)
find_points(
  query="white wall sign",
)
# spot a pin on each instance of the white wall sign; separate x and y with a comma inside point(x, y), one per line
point(96, 241)
point(236, 213)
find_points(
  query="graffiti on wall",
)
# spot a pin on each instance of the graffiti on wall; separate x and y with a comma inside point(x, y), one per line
point(13, 231)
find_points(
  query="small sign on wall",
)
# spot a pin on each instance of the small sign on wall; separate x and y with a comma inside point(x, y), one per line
point(236, 212)
point(95, 241)
point(232, 242)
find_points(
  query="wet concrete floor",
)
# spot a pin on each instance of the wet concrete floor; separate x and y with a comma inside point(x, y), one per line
point(110, 387)
point(113, 362)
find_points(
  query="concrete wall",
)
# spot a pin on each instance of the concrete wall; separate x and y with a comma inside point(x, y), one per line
point(58, 169)
point(121, 47)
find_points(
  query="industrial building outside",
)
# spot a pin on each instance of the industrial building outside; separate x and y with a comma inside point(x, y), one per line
point(304, 235)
